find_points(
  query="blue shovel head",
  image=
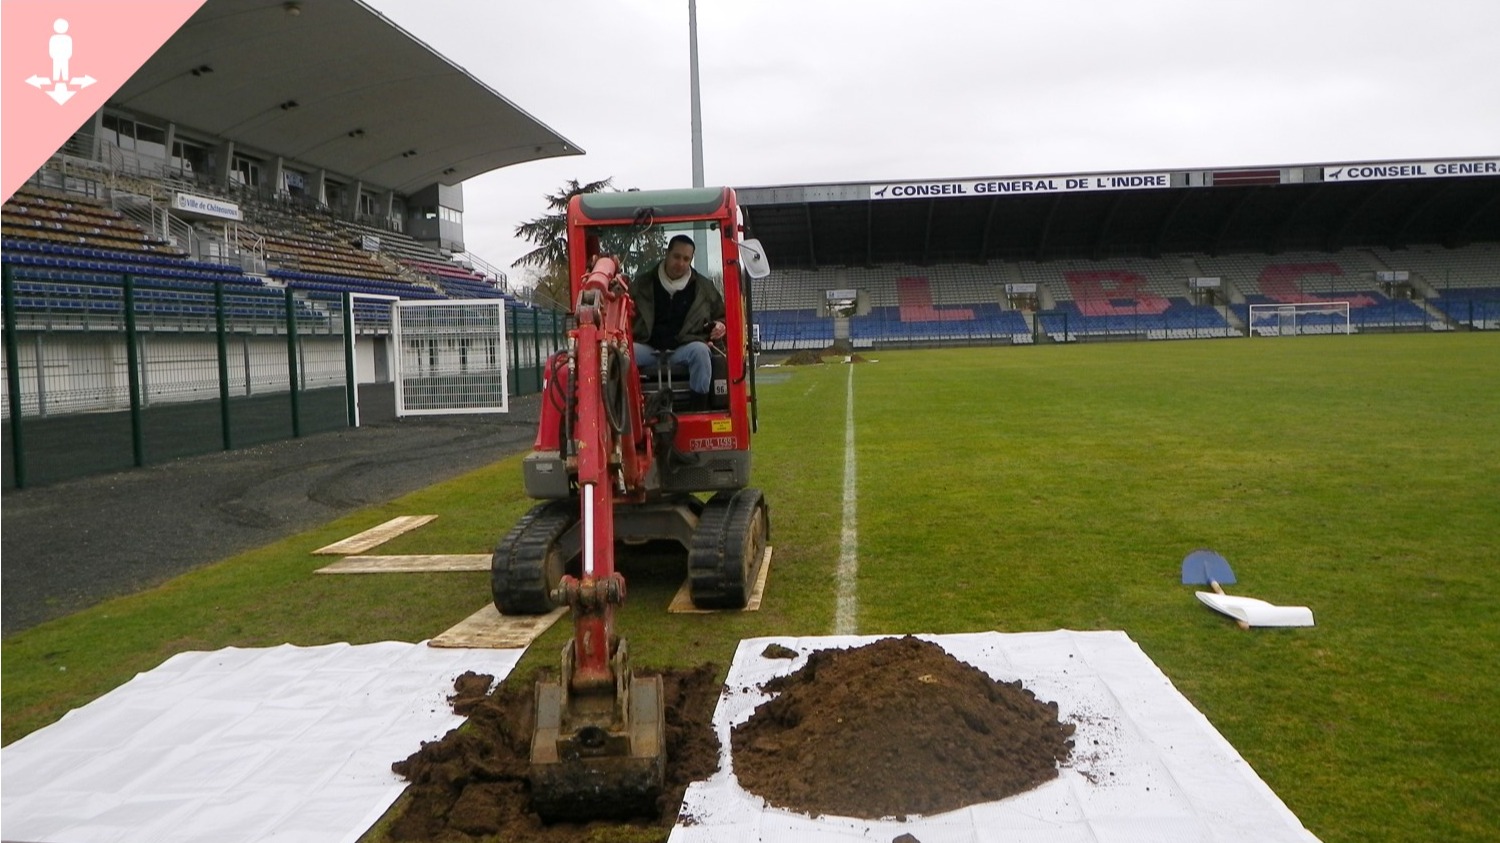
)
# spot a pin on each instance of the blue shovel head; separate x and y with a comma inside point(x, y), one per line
point(1203, 566)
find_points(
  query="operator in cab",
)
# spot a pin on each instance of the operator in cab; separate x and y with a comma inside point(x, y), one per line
point(678, 311)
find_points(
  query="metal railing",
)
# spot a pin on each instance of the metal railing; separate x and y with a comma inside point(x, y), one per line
point(493, 274)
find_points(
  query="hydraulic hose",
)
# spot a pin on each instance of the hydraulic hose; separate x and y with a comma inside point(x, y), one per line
point(615, 393)
point(559, 400)
point(555, 395)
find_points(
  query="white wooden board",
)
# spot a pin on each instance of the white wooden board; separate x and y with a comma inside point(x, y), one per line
point(375, 536)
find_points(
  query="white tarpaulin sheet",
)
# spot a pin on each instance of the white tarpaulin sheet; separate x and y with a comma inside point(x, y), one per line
point(285, 744)
point(1147, 767)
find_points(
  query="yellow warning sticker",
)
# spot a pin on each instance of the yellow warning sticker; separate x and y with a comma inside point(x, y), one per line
point(723, 425)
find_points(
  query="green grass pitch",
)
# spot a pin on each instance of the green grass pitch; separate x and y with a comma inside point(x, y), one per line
point(1021, 489)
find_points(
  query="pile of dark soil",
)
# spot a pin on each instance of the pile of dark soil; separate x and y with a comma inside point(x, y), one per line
point(808, 358)
point(803, 358)
point(893, 728)
point(471, 784)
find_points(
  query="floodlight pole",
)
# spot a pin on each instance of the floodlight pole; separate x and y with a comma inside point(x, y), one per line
point(697, 108)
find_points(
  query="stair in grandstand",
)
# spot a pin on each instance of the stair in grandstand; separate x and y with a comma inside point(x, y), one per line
point(422, 263)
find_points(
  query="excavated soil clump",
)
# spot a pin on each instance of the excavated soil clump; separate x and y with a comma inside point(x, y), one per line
point(471, 784)
point(893, 728)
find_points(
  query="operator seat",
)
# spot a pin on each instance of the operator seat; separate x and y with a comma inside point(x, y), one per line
point(664, 376)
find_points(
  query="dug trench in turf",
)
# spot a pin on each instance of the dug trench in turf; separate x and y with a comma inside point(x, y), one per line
point(472, 783)
point(823, 745)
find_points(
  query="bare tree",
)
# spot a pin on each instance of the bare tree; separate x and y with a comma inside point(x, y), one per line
point(549, 287)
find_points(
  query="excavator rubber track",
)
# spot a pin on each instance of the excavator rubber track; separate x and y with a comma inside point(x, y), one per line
point(728, 549)
point(528, 562)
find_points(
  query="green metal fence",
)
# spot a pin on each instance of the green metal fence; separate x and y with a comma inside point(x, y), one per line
point(108, 372)
point(534, 335)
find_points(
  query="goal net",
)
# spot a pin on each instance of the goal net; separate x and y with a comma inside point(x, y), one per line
point(1301, 318)
point(451, 356)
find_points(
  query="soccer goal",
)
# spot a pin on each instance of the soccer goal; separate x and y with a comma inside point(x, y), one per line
point(1301, 318)
point(451, 356)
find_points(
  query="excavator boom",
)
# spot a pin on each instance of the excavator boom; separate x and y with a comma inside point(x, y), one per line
point(599, 747)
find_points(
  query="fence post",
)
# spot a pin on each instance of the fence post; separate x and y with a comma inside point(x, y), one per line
point(512, 323)
point(351, 407)
point(13, 379)
point(536, 345)
point(41, 377)
point(132, 374)
point(223, 341)
point(291, 361)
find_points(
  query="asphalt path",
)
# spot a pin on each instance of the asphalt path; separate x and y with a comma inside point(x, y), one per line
point(68, 545)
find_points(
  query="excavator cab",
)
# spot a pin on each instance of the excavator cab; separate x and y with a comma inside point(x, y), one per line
point(693, 452)
point(636, 227)
point(622, 454)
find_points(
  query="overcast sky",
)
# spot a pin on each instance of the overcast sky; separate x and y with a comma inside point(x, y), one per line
point(808, 91)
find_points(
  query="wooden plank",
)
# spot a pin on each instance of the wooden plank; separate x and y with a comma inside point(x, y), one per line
point(408, 564)
point(682, 603)
point(488, 629)
point(377, 535)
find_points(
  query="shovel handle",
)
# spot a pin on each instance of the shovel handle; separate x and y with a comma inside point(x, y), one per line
point(1218, 590)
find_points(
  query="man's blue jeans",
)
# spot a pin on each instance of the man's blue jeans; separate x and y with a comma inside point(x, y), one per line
point(694, 354)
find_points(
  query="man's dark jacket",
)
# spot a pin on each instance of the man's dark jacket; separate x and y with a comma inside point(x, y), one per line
point(707, 307)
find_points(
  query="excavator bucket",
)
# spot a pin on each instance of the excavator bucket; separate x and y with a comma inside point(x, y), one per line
point(598, 755)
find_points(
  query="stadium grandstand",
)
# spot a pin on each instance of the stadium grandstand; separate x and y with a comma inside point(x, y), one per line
point(1179, 254)
point(275, 170)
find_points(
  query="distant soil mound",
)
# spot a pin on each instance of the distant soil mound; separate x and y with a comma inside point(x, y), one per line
point(807, 357)
point(804, 357)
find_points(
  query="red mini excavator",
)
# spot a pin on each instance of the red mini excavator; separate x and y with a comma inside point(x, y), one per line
point(627, 453)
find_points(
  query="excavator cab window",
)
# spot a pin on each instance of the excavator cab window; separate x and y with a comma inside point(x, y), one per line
point(640, 248)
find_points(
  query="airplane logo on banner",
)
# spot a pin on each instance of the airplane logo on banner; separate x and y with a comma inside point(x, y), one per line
point(1026, 184)
point(60, 48)
point(1413, 170)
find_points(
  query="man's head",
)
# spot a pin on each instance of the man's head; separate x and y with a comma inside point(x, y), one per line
point(679, 260)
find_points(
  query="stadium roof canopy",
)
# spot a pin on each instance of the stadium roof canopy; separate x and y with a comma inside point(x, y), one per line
point(1101, 215)
point(334, 84)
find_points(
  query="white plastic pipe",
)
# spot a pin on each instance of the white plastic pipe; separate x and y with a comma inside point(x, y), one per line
point(588, 529)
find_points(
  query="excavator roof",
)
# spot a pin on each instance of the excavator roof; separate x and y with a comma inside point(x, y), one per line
point(628, 205)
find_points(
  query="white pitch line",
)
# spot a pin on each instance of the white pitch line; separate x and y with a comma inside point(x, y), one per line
point(845, 620)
